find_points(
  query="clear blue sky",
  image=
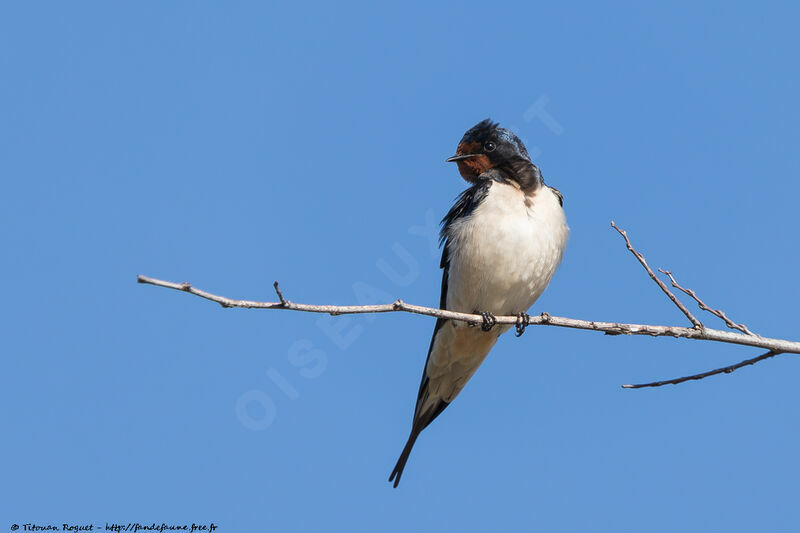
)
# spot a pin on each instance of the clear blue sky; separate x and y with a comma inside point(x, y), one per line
point(234, 144)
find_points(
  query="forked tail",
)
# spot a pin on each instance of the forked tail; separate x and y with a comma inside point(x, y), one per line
point(401, 462)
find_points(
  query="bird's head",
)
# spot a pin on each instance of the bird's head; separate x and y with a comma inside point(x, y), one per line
point(486, 145)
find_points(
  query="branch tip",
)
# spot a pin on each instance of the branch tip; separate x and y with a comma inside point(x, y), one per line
point(642, 261)
point(702, 375)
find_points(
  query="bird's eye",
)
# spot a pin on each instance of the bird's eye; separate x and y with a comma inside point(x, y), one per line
point(489, 146)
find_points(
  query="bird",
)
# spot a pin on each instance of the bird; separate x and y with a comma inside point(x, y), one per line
point(501, 244)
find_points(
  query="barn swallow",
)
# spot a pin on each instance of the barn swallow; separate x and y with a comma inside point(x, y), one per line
point(502, 241)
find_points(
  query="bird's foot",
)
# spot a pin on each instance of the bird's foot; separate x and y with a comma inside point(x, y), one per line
point(523, 321)
point(489, 320)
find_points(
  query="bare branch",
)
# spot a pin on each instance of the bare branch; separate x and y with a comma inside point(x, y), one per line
point(697, 332)
point(716, 312)
point(723, 370)
point(696, 323)
point(545, 319)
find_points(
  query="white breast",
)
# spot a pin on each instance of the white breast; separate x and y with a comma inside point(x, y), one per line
point(502, 257)
point(504, 254)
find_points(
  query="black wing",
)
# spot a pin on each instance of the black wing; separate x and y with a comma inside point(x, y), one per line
point(465, 204)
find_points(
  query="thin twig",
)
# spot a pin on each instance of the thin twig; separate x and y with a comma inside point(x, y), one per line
point(283, 300)
point(696, 323)
point(716, 312)
point(723, 370)
point(545, 319)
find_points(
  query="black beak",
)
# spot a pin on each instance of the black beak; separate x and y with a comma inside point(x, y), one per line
point(459, 157)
